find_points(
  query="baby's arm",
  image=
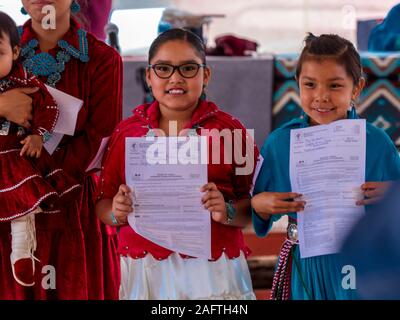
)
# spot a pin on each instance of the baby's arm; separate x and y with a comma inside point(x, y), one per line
point(32, 146)
point(45, 116)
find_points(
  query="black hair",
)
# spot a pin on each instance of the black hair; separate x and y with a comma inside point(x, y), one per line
point(8, 27)
point(179, 34)
point(335, 47)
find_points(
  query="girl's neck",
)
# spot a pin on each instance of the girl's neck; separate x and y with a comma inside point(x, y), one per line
point(312, 122)
point(182, 118)
point(48, 38)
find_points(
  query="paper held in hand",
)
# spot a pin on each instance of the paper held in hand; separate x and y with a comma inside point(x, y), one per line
point(327, 166)
point(166, 182)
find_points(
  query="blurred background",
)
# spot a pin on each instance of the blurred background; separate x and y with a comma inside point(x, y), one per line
point(278, 26)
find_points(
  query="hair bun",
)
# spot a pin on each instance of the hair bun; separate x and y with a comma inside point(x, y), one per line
point(310, 37)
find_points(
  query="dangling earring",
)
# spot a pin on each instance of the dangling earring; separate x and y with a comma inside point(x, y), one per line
point(75, 7)
point(203, 93)
point(305, 119)
point(23, 11)
point(149, 98)
point(352, 112)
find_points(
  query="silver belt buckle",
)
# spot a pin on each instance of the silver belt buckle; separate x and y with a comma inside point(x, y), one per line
point(292, 232)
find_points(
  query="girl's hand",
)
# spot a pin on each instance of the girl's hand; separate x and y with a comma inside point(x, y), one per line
point(122, 204)
point(32, 146)
point(16, 105)
point(373, 192)
point(214, 201)
point(266, 203)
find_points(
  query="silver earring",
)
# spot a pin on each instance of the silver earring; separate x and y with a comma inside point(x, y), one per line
point(352, 112)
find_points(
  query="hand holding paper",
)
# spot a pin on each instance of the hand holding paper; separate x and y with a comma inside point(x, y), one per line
point(214, 201)
point(122, 204)
point(327, 166)
point(169, 210)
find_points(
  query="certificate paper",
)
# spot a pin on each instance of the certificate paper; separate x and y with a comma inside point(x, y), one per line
point(260, 161)
point(327, 166)
point(166, 177)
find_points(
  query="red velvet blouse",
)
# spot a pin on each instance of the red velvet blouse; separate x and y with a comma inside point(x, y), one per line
point(224, 238)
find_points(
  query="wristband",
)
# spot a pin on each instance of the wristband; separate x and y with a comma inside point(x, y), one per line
point(114, 219)
point(230, 212)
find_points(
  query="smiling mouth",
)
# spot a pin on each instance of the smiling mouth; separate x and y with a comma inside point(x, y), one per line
point(175, 92)
point(323, 110)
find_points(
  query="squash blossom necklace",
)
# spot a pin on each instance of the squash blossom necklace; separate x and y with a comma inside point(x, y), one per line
point(44, 64)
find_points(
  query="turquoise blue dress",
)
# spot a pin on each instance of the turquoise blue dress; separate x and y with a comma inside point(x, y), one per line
point(318, 277)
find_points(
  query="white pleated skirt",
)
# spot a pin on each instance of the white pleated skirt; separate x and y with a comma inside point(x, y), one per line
point(176, 278)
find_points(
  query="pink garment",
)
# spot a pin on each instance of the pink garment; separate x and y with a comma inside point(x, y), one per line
point(97, 14)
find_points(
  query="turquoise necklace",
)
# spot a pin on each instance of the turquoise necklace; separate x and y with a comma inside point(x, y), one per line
point(45, 65)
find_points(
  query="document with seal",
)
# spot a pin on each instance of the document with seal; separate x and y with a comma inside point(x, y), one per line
point(166, 174)
point(327, 166)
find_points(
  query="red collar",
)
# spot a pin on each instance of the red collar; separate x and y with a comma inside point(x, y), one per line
point(17, 71)
point(150, 113)
point(71, 36)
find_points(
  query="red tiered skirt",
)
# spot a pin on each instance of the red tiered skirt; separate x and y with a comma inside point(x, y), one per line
point(28, 183)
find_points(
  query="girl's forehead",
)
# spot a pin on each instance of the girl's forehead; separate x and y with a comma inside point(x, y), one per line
point(323, 66)
point(176, 50)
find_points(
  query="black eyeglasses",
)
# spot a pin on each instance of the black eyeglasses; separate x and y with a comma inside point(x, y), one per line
point(186, 70)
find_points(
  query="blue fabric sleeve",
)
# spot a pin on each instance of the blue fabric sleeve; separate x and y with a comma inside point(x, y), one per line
point(263, 183)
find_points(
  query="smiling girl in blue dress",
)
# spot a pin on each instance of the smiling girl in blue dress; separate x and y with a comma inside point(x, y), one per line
point(329, 76)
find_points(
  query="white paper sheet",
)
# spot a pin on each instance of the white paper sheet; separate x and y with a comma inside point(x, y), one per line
point(69, 107)
point(96, 162)
point(169, 210)
point(52, 144)
point(327, 166)
point(260, 161)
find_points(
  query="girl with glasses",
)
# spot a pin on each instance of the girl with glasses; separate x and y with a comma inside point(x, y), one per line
point(177, 75)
